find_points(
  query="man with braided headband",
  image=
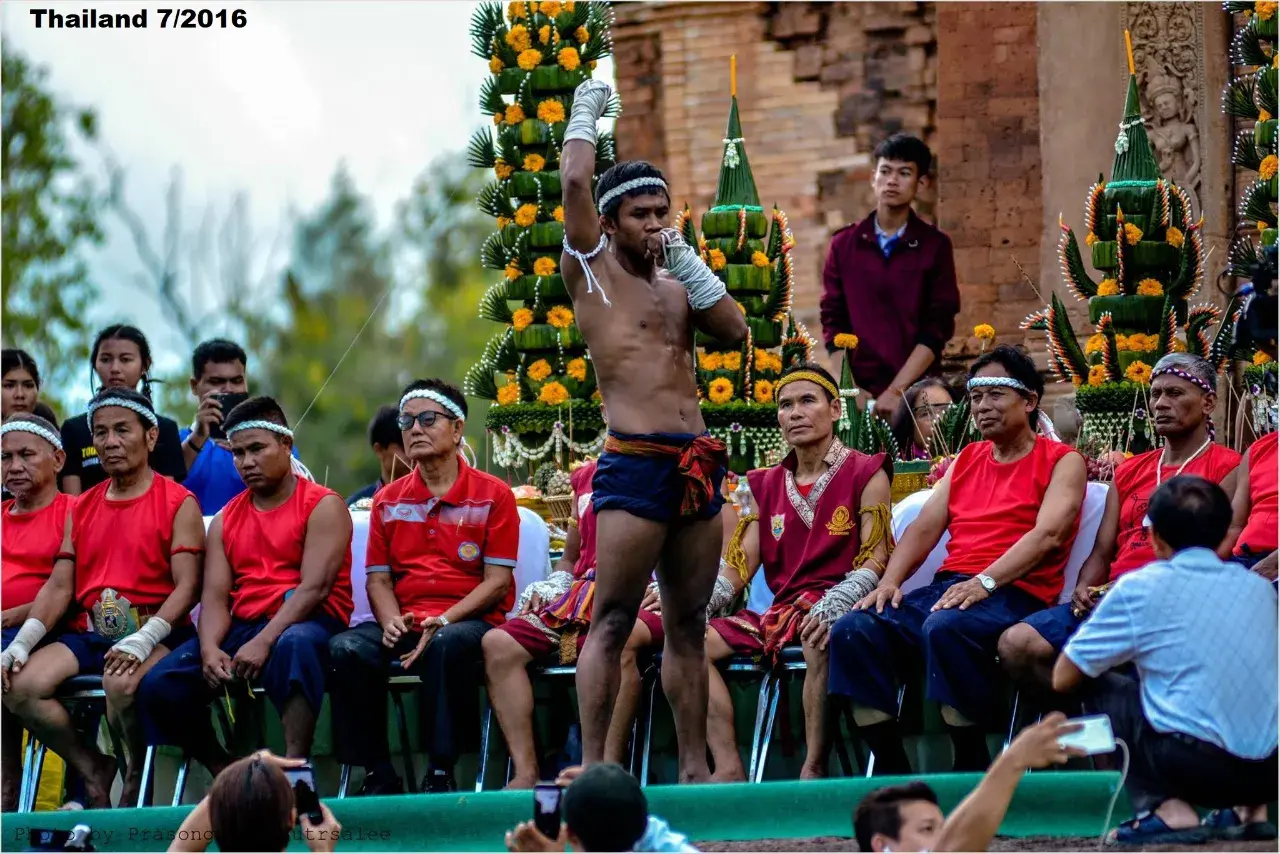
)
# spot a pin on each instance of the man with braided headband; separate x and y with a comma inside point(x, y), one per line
point(277, 587)
point(638, 293)
point(1012, 506)
point(131, 561)
point(442, 552)
point(819, 523)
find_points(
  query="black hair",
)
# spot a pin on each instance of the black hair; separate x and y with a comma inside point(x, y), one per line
point(124, 394)
point(620, 173)
point(251, 807)
point(46, 412)
point(218, 350)
point(448, 390)
point(1189, 512)
point(12, 358)
point(123, 332)
point(879, 811)
point(36, 419)
point(606, 809)
point(903, 423)
point(814, 367)
point(1017, 365)
point(907, 149)
point(259, 408)
point(383, 429)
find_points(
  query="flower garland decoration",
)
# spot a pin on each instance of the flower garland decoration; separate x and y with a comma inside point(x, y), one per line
point(1139, 372)
point(551, 111)
point(1150, 288)
point(732, 361)
point(1097, 375)
point(720, 390)
point(502, 169)
point(846, 341)
point(1108, 288)
point(582, 35)
point(558, 213)
point(514, 114)
point(560, 317)
point(529, 59)
point(718, 261)
point(1267, 169)
point(538, 371)
point(763, 391)
point(521, 319)
point(534, 162)
point(710, 361)
point(759, 259)
point(544, 267)
point(1132, 234)
point(526, 215)
point(509, 394)
point(568, 58)
point(553, 394)
point(1174, 237)
point(577, 369)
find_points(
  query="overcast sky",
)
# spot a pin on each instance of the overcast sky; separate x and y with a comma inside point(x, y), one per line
point(269, 109)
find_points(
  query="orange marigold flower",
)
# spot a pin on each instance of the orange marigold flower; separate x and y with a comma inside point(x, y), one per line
point(558, 213)
point(517, 38)
point(1174, 237)
point(544, 267)
point(763, 391)
point(551, 111)
point(534, 162)
point(514, 114)
point(539, 370)
point(846, 341)
point(529, 59)
point(577, 368)
point(560, 317)
point(1108, 288)
point(495, 65)
point(553, 394)
point(526, 215)
point(568, 58)
point(522, 318)
point(718, 260)
point(509, 394)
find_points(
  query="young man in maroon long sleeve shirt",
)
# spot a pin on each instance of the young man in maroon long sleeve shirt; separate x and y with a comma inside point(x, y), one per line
point(891, 280)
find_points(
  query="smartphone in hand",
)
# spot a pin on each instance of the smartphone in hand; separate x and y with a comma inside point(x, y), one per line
point(546, 809)
point(305, 799)
point(228, 400)
point(1094, 737)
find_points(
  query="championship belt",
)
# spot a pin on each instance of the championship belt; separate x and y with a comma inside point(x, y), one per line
point(114, 616)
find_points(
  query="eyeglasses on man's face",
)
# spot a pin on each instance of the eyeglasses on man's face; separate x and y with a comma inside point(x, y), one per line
point(426, 419)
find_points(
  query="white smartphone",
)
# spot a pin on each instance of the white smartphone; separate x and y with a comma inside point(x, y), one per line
point(1094, 737)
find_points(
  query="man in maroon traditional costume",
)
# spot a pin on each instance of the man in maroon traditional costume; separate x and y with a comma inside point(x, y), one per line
point(825, 514)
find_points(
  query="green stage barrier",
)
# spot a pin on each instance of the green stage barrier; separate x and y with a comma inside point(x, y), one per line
point(1050, 803)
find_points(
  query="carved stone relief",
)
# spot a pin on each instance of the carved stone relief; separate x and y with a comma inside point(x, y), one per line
point(1168, 56)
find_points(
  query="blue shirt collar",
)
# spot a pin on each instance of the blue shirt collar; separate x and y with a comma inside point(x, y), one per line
point(1198, 557)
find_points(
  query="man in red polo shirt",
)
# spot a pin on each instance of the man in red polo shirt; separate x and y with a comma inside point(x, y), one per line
point(891, 280)
point(442, 550)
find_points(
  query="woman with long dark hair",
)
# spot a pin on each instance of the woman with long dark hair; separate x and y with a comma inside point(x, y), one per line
point(121, 358)
point(20, 377)
point(913, 423)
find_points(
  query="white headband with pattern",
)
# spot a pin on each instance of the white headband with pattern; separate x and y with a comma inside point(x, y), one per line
point(998, 382)
point(633, 184)
point(260, 425)
point(22, 426)
point(127, 404)
point(429, 394)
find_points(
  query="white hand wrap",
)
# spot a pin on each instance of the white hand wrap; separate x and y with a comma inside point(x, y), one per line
point(143, 642)
point(721, 597)
point(549, 590)
point(839, 600)
point(683, 262)
point(590, 100)
point(19, 651)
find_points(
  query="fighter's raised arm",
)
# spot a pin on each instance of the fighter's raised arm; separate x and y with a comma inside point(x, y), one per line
point(578, 166)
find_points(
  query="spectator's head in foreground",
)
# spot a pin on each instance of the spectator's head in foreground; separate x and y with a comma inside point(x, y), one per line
point(1188, 512)
point(261, 443)
point(30, 458)
point(898, 818)
point(431, 418)
point(388, 444)
point(251, 807)
point(1004, 393)
point(604, 809)
point(21, 380)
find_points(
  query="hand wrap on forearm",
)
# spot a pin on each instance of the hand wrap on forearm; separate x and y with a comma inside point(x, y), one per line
point(682, 261)
point(144, 641)
point(721, 597)
point(549, 589)
point(590, 100)
point(24, 641)
point(839, 600)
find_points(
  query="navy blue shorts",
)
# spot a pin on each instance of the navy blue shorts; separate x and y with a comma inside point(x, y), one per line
point(90, 648)
point(1056, 625)
point(650, 487)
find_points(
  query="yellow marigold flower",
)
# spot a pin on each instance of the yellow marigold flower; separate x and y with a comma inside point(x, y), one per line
point(732, 361)
point(1108, 288)
point(1176, 345)
point(1261, 358)
point(558, 213)
point(764, 391)
point(497, 118)
point(710, 361)
point(560, 317)
point(759, 259)
point(516, 10)
point(718, 260)
point(846, 341)
point(1095, 343)
point(984, 332)
point(514, 114)
point(1150, 288)
point(1090, 239)
point(512, 272)
point(539, 370)
point(720, 390)
point(509, 394)
point(503, 222)
point(529, 59)
point(521, 318)
point(568, 58)
point(577, 368)
point(1174, 237)
point(582, 34)
point(495, 65)
point(544, 34)
point(1139, 372)
point(526, 215)
point(592, 65)
point(1267, 169)
point(534, 162)
point(1122, 342)
point(518, 38)
point(553, 394)
point(1132, 234)
point(544, 267)
point(533, 7)
point(550, 8)
point(551, 111)
point(567, 5)
point(1263, 115)
point(1265, 9)
point(1139, 342)
point(502, 170)
point(1097, 375)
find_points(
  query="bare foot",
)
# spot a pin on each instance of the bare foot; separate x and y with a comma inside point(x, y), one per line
point(730, 775)
point(807, 773)
point(97, 786)
point(521, 783)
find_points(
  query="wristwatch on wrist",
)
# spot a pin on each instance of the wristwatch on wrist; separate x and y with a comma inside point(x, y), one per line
point(444, 621)
point(988, 583)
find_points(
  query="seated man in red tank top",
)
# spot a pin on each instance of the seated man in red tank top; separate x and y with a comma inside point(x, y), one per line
point(130, 561)
point(554, 618)
point(35, 522)
point(277, 587)
point(1183, 397)
point(442, 553)
point(1254, 509)
point(825, 514)
point(1012, 505)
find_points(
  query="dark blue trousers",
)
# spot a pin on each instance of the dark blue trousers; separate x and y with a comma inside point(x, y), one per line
point(871, 654)
point(175, 688)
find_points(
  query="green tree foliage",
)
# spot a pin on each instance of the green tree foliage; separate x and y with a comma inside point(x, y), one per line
point(49, 216)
